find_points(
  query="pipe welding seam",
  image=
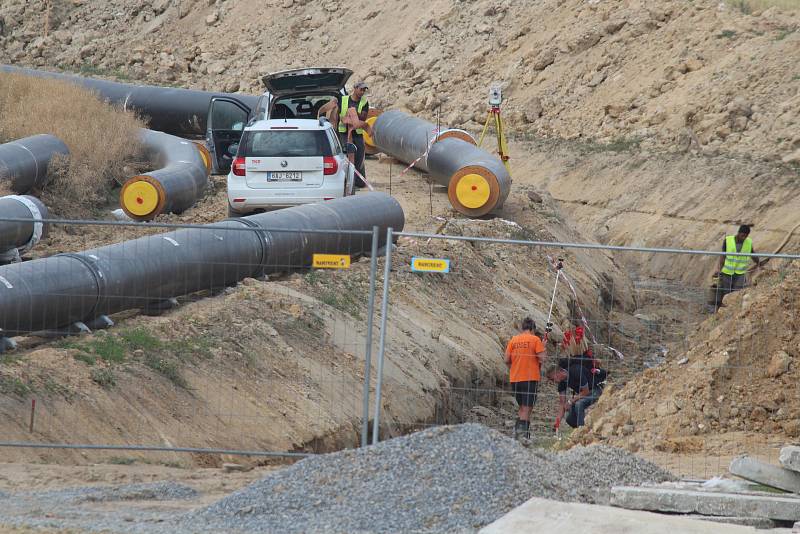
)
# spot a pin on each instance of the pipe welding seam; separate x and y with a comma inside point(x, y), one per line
point(17, 237)
point(50, 294)
point(477, 182)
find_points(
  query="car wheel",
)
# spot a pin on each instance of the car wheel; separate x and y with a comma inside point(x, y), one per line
point(232, 213)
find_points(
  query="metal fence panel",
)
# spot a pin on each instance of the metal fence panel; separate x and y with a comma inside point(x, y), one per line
point(272, 365)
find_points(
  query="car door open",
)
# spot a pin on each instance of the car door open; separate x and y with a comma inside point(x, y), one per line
point(227, 118)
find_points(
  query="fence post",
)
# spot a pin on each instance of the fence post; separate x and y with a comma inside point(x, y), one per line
point(382, 342)
point(373, 268)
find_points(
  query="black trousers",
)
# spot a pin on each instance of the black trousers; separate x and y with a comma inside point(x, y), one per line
point(728, 283)
point(360, 155)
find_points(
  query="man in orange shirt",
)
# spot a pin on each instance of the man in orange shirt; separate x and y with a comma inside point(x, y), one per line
point(525, 354)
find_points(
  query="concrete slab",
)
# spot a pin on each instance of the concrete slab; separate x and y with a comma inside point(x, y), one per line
point(780, 507)
point(790, 458)
point(542, 516)
point(766, 474)
point(755, 522)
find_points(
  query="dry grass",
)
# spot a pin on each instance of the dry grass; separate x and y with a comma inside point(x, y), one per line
point(103, 140)
point(750, 6)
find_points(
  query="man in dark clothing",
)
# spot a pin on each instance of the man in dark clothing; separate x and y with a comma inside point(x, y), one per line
point(357, 101)
point(586, 387)
point(732, 275)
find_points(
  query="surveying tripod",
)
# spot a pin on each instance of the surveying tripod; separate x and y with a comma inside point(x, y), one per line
point(495, 99)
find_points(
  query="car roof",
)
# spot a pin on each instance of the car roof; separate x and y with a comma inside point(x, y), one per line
point(281, 124)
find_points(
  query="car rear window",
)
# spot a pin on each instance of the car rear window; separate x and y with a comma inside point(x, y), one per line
point(285, 143)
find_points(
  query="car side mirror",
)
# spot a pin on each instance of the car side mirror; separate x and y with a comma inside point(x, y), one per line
point(233, 149)
point(350, 148)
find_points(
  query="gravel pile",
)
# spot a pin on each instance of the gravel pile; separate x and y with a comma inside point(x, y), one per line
point(444, 479)
point(590, 471)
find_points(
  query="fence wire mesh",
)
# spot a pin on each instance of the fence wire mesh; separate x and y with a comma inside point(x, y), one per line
point(239, 360)
point(276, 363)
point(689, 388)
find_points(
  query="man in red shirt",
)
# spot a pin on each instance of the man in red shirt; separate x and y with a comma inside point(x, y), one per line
point(525, 354)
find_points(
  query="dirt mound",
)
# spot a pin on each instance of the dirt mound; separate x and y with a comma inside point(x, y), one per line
point(715, 75)
point(103, 140)
point(737, 388)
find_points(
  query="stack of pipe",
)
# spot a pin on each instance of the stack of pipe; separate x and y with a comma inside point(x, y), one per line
point(180, 180)
point(477, 182)
point(24, 163)
point(67, 289)
point(181, 112)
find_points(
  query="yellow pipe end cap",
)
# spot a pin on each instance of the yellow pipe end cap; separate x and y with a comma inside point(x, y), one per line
point(473, 191)
point(140, 198)
point(205, 155)
point(367, 139)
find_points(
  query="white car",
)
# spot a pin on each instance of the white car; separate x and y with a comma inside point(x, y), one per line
point(291, 94)
point(286, 162)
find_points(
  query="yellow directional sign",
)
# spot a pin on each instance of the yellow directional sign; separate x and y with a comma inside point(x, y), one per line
point(331, 261)
point(430, 265)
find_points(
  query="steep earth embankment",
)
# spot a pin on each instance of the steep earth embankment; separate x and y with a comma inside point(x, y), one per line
point(735, 391)
point(664, 73)
point(639, 197)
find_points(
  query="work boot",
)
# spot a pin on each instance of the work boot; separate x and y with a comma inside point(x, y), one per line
point(526, 429)
point(518, 428)
point(522, 430)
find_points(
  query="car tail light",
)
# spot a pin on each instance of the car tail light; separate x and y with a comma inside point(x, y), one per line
point(329, 165)
point(238, 167)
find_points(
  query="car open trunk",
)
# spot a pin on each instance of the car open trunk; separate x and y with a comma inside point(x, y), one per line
point(308, 80)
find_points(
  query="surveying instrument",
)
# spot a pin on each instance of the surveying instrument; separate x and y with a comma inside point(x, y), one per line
point(495, 99)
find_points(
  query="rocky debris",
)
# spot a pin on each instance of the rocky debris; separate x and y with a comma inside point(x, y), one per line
point(728, 76)
point(767, 474)
point(790, 458)
point(535, 197)
point(738, 377)
point(230, 467)
point(444, 479)
point(779, 364)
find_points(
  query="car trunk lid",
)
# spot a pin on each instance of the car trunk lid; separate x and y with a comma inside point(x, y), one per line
point(314, 79)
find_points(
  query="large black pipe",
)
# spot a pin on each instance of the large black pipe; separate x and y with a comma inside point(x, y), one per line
point(17, 237)
point(55, 292)
point(180, 180)
point(181, 112)
point(24, 163)
point(477, 182)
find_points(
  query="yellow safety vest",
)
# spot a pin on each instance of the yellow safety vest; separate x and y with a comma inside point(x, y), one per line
point(735, 264)
point(343, 111)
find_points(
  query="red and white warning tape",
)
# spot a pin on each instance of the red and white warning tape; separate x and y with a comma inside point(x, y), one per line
point(436, 133)
point(369, 185)
point(585, 323)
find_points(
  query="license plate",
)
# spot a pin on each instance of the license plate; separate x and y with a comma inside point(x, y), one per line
point(285, 176)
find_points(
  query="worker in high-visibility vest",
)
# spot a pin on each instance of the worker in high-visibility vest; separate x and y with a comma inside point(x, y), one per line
point(733, 265)
point(358, 101)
